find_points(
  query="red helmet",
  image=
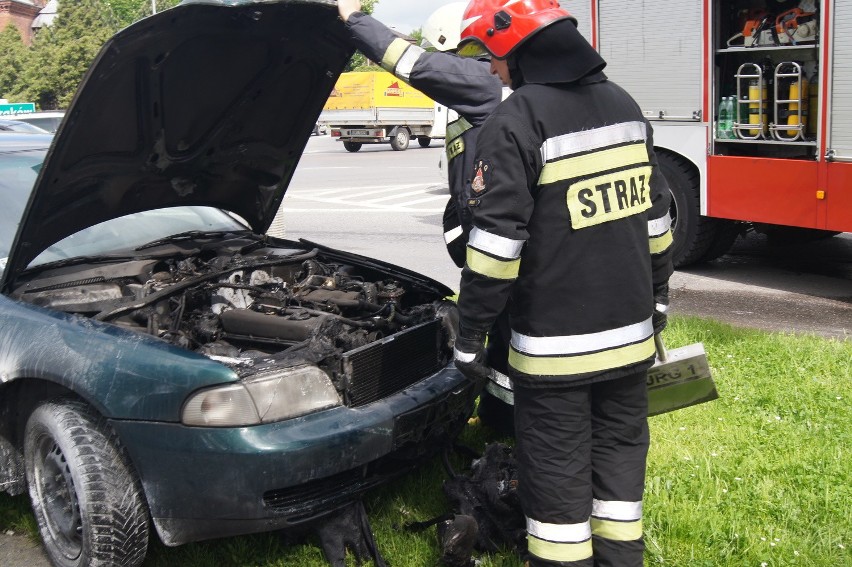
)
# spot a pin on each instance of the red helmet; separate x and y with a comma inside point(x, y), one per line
point(498, 27)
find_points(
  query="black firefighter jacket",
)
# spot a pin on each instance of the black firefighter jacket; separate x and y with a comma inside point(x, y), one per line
point(463, 85)
point(570, 219)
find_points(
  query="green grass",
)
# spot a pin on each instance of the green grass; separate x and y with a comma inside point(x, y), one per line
point(761, 476)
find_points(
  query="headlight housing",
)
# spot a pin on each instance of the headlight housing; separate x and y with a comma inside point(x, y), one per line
point(263, 398)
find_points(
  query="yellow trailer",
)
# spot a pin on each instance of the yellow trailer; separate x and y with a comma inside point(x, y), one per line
point(375, 107)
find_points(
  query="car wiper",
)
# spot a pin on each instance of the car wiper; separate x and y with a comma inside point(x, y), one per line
point(190, 235)
point(81, 260)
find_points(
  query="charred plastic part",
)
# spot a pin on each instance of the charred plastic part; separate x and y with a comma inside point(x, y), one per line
point(349, 529)
point(489, 495)
point(486, 512)
point(457, 537)
point(251, 324)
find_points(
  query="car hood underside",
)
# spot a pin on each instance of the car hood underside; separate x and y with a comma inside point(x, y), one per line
point(208, 103)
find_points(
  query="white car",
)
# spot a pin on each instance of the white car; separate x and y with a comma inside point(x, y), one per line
point(47, 120)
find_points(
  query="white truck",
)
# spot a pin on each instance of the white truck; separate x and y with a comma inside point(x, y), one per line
point(374, 107)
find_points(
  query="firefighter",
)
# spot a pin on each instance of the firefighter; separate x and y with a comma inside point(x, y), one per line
point(571, 221)
point(466, 86)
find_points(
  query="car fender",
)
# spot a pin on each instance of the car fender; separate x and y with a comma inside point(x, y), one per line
point(122, 373)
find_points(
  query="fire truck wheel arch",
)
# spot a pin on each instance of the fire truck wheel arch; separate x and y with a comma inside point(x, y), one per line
point(696, 238)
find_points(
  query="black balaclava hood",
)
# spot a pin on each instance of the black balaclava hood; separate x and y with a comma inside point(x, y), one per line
point(557, 54)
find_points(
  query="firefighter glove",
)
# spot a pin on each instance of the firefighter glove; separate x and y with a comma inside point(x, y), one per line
point(661, 307)
point(470, 357)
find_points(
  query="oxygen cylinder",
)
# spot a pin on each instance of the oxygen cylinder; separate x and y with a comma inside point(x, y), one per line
point(796, 91)
point(757, 106)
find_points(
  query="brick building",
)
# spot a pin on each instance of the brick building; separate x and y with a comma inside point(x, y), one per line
point(20, 13)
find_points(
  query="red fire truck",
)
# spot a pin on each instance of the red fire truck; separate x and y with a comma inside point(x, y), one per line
point(781, 162)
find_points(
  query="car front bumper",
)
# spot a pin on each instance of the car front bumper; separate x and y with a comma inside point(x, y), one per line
point(203, 483)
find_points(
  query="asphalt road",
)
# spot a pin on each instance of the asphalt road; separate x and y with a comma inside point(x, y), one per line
point(388, 205)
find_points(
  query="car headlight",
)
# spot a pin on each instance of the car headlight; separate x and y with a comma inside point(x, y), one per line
point(263, 398)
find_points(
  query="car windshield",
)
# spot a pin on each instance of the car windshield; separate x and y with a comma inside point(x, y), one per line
point(126, 233)
point(18, 171)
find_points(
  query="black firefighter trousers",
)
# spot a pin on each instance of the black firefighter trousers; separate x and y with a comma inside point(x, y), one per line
point(581, 470)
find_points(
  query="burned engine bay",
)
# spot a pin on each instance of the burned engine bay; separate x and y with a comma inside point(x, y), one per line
point(253, 306)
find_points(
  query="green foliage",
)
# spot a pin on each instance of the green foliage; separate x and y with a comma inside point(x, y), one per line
point(359, 62)
point(49, 71)
point(62, 52)
point(127, 11)
point(13, 60)
point(144, 8)
point(367, 6)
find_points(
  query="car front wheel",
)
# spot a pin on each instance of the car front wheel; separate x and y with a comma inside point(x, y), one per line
point(88, 502)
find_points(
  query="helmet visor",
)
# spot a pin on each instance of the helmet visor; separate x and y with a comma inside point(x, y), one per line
point(473, 49)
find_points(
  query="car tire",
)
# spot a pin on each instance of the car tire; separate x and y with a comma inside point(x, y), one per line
point(696, 238)
point(352, 146)
point(424, 141)
point(399, 141)
point(87, 500)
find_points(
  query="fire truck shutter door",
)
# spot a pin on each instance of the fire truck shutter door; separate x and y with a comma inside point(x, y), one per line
point(654, 50)
point(582, 10)
point(840, 139)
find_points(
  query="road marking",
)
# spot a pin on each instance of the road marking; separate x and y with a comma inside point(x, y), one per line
point(403, 198)
point(360, 191)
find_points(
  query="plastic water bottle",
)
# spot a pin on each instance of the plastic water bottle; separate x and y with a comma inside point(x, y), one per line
point(723, 123)
point(729, 124)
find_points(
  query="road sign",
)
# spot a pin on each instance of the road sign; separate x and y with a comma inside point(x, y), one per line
point(16, 108)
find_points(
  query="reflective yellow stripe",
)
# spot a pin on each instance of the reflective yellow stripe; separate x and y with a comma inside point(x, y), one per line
point(393, 53)
point(457, 128)
point(661, 243)
point(617, 531)
point(493, 268)
point(594, 162)
point(595, 362)
point(559, 551)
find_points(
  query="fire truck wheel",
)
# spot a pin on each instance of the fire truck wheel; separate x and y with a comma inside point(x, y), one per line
point(399, 141)
point(696, 238)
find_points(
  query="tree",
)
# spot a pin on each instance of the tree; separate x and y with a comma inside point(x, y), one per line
point(62, 52)
point(144, 9)
point(13, 56)
point(126, 11)
point(359, 62)
point(417, 36)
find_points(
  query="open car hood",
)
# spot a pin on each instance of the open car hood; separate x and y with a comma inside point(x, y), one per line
point(208, 103)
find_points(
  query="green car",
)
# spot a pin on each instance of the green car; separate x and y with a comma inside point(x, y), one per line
point(165, 366)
